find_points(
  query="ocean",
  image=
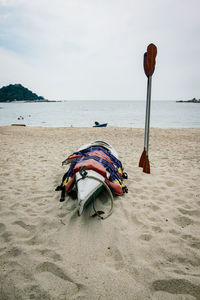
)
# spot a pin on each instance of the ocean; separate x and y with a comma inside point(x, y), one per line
point(164, 114)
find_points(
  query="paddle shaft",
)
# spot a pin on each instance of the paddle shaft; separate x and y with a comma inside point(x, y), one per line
point(147, 118)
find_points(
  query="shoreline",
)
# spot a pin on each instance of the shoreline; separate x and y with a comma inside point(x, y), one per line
point(91, 127)
point(147, 249)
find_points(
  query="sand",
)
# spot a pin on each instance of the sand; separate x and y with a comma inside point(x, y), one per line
point(149, 248)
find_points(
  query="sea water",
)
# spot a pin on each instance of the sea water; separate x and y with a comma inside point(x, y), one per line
point(164, 114)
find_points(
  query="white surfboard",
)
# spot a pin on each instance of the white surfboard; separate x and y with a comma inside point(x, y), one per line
point(89, 188)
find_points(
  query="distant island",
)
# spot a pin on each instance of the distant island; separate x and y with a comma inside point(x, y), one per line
point(194, 100)
point(16, 93)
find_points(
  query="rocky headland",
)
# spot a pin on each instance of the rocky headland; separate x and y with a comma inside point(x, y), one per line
point(194, 100)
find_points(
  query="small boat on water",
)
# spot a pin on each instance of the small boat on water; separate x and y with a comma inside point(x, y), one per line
point(23, 125)
point(100, 125)
point(93, 167)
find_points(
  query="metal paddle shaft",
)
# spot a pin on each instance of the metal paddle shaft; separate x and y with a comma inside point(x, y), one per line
point(147, 121)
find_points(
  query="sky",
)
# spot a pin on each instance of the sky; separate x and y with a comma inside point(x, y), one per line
point(93, 49)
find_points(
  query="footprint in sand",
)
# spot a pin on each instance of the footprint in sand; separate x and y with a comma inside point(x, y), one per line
point(177, 286)
point(145, 237)
point(25, 226)
point(183, 221)
point(3, 234)
point(6, 236)
point(48, 253)
point(174, 232)
point(157, 229)
point(170, 183)
point(193, 241)
point(115, 258)
point(136, 221)
point(55, 270)
point(53, 277)
point(14, 252)
point(193, 212)
point(2, 228)
point(154, 207)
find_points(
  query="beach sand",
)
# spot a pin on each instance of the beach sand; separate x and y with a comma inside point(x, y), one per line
point(149, 248)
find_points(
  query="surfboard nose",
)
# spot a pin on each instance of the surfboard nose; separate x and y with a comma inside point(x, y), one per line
point(88, 188)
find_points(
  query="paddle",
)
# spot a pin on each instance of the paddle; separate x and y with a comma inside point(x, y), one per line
point(149, 66)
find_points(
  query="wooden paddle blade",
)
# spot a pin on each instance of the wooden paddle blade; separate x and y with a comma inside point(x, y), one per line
point(146, 70)
point(142, 159)
point(146, 167)
point(151, 59)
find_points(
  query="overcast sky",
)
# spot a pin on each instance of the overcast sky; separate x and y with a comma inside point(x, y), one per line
point(93, 49)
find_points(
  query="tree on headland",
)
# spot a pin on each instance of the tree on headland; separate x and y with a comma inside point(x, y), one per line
point(16, 92)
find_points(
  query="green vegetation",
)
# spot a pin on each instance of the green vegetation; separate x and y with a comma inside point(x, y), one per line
point(16, 92)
